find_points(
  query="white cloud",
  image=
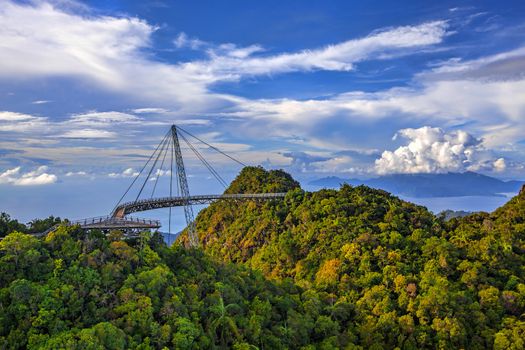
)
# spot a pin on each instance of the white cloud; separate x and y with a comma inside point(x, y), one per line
point(499, 165)
point(509, 65)
point(232, 50)
point(88, 134)
point(12, 116)
point(104, 50)
point(129, 172)
point(32, 178)
point(76, 173)
point(150, 110)
point(339, 57)
point(19, 122)
point(109, 51)
point(112, 52)
point(97, 119)
point(183, 41)
point(159, 173)
point(193, 122)
point(432, 150)
point(489, 107)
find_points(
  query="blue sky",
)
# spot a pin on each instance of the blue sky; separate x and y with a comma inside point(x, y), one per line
point(348, 88)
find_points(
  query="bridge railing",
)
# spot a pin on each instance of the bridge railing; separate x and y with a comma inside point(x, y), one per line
point(205, 197)
point(156, 203)
point(111, 219)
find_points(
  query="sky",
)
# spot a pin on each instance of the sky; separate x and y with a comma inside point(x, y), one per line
point(349, 88)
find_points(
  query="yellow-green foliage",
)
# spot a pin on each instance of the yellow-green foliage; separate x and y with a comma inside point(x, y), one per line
point(407, 278)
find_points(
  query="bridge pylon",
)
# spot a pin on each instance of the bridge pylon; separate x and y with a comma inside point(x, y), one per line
point(184, 189)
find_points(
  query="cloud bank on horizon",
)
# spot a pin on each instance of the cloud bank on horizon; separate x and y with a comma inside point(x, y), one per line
point(91, 90)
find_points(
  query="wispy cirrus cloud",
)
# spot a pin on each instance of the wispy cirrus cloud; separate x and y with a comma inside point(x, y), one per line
point(150, 110)
point(108, 51)
point(95, 118)
point(238, 62)
point(90, 125)
point(20, 122)
point(508, 65)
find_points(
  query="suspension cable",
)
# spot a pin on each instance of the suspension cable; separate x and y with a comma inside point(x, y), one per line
point(159, 174)
point(205, 162)
point(153, 166)
point(212, 147)
point(140, 172)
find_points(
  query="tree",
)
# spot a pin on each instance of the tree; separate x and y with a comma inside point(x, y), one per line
point(8, 225)
point(20, 256)
point(223, 325)
point(185, 335)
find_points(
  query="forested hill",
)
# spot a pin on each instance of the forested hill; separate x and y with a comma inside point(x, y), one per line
point(353, 268)
point(77, 291)
point(407, 278)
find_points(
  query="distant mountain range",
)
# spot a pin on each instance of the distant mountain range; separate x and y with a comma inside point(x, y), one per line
point(169, 238)
point(430, 185)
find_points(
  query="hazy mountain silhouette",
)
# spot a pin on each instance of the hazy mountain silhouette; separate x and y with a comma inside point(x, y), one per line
point(430, 185)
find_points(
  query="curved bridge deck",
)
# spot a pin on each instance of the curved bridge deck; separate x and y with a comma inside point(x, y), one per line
point(108, 223)
point(157, 203)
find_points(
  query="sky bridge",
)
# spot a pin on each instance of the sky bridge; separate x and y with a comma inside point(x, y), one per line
point(167, 159)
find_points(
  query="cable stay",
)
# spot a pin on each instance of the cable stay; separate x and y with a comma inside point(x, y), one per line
point(205, 162)
point(212, 147)
point(140, 172)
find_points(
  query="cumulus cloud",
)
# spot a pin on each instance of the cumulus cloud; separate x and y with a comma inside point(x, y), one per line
point(32, 178)
point(159, 173)
point(499, 165)
point(129, 172)
point(433, 150)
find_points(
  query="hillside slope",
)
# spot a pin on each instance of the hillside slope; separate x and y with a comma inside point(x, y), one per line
point(77, 291)
point(412, 280)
